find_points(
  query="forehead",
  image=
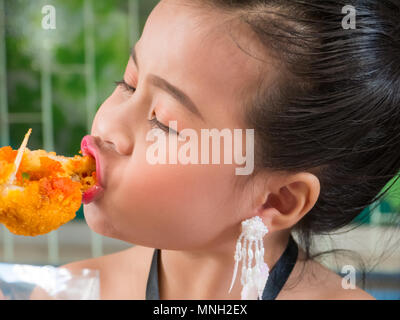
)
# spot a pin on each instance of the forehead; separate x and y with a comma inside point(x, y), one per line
point(194, 50)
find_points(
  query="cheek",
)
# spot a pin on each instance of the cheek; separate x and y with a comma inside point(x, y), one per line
point(172, 206)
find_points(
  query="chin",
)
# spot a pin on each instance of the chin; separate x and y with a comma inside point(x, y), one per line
point(97, 221)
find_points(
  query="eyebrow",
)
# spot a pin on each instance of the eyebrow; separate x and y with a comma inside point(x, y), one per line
point(175, 92)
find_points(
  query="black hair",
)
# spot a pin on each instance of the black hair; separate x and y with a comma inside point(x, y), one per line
point(335, 108)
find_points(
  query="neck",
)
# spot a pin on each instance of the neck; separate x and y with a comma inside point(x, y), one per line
point(207, 274)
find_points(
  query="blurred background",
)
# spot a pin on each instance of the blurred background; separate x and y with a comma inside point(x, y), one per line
point(53, 78)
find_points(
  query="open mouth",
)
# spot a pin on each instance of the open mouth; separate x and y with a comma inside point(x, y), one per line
point(89, 148)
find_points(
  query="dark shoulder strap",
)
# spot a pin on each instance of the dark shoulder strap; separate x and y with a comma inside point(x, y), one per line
point(277, 277)
point(281, 271)
point(152, 292)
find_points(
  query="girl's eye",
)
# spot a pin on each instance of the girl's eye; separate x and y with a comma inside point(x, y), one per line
point(125, 86)
point(157, 124)
point(154, 122)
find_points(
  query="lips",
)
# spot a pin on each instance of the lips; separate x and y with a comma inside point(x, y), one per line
point(89, 148)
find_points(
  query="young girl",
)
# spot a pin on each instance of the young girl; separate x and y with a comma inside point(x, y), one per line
point(323, 99)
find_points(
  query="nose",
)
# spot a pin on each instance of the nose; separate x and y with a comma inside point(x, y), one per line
point(113, 131)
point(119, 142)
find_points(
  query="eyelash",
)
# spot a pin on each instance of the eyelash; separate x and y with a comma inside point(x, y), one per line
point(154, 122)
point(157, 124)
point(125, 86)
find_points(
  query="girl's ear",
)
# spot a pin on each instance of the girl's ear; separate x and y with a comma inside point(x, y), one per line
point(286, 198)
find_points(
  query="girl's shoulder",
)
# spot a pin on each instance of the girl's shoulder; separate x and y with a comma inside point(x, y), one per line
point(120, 278)
point(311, 280)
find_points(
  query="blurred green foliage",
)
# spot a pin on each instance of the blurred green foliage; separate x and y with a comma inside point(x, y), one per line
point(26, 42)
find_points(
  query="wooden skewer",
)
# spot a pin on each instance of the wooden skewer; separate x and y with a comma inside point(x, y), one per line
point(18, 159)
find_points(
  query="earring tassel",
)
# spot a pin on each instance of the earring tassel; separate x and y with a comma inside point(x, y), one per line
point(253, 278)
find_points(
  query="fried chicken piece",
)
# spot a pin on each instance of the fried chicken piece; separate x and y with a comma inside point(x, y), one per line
point(39, 190)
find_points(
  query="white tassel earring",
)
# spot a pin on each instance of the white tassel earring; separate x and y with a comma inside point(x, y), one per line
point(253, 278)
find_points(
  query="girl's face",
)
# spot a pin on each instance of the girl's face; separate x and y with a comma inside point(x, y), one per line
point(173, 206)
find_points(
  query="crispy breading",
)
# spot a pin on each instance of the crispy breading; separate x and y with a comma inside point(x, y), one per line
point(46, 192)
